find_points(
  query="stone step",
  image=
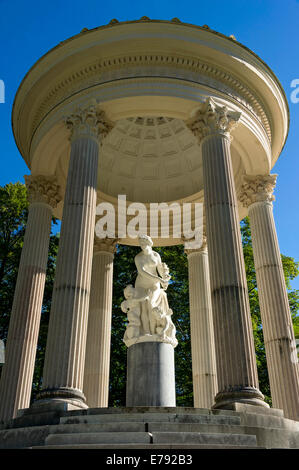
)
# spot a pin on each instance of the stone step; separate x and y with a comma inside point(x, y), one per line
point(196, 428)
point(165, 438)
point(203, 438)
point(145, 446)
point(82, 428)
point(99, 438)
point(151, 409)
point(151, 417)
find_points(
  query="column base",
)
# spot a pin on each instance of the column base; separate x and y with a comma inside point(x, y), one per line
point(68, 398)
point(245, 395)
point(150, 375)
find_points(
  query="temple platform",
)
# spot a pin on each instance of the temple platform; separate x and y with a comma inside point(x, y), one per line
point(246, 426)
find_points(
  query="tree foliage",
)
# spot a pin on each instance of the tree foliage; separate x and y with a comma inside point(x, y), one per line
point(13, 216)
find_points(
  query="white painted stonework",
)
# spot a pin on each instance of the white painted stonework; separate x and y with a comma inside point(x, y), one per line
point(146, 304)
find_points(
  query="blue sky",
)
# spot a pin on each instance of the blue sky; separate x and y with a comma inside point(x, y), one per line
point(28, 29)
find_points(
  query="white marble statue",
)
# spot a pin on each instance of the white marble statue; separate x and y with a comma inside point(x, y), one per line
point(146, 304)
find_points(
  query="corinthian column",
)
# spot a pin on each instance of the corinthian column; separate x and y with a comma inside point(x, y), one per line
point(235, 354)
point(17, 374)
point(256, 194)
point(97, 359)
point(65, 351)
point(202, 330)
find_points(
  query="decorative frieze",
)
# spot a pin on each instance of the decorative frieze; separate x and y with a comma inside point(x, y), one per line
point(257, 188)
point(212, 119)
point(89, 121)
point(124, 67)
point(43, 189)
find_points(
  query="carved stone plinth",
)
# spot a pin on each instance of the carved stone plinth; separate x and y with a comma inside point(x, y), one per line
point(150, 375)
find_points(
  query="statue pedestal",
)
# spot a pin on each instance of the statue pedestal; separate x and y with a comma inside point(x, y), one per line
point(150, 375)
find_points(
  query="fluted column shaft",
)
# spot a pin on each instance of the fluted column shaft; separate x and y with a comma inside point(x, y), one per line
point(97, 359)
point(235, 354)
point(65, 351)
point(276, 318)
point(202, 330)
point(236, 364)
point(17, 374)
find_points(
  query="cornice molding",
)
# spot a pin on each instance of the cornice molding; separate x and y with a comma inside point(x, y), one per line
point(125, 65)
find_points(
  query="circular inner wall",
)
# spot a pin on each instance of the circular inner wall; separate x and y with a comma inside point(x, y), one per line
point(150, 375)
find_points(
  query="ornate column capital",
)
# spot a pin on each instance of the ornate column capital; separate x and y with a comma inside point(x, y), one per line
point(202, 249)
point(212, 119)
point(257, 188)
point(43, 189)
point(107, 245)
point(88, 121)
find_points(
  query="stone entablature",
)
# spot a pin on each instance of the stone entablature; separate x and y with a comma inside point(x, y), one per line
point(128, 54)
point(168, 65)
point(257, 188)
point(43, 189)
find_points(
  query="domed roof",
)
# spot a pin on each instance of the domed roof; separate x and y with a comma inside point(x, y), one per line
point(150, 159)
point(149, 77)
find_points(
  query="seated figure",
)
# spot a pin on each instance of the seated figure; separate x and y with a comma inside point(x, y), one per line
point(146, 304)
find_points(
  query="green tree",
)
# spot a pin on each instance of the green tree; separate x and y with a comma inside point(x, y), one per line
point(13, 218)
